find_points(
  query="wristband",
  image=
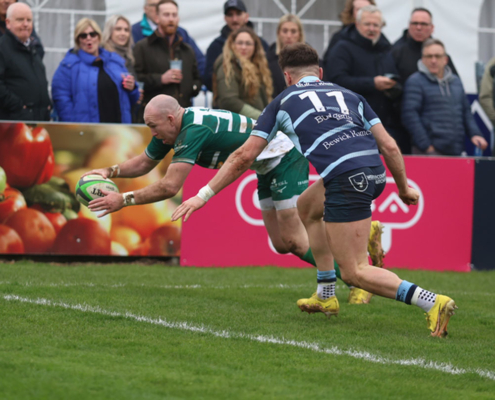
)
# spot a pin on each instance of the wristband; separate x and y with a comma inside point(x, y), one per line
point(206, 193)
point(114, 171)
point(129, 199)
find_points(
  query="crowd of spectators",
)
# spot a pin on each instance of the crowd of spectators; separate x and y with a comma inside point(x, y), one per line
point(110, 76)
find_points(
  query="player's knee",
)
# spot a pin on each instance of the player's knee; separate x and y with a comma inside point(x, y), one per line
point(349, 276)
point(292, 245)
point(281, 249)
point(356, 275)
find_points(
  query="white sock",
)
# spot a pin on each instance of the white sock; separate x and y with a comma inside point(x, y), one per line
point(325, 290)
point(423, 299)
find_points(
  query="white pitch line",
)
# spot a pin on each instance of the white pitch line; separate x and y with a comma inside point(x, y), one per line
point(199, 286)
point(186, 326)
point(193, 286)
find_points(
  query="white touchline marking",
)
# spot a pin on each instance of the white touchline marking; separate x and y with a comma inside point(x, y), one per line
point(194, 286)
point(362, 355)
point(200, 286)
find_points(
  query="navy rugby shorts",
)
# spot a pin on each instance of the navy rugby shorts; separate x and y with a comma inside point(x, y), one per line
point(348, 196)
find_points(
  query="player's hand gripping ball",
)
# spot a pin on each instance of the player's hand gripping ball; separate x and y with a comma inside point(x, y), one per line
point(89, 188)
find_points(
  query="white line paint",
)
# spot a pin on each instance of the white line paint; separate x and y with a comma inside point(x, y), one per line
point(200, 286)
point(194, 286)
point(185, 326)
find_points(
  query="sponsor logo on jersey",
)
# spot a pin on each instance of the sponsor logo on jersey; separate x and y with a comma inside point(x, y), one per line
point(337, 116)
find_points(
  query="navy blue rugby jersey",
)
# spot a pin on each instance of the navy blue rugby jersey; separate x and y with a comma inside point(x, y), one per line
point(327, 123)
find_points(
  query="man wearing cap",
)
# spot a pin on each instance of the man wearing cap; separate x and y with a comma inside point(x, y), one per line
point(236, 16)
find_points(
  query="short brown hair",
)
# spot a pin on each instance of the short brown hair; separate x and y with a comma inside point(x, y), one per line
point(165, 2)
point(430, 42)
point(298, 55)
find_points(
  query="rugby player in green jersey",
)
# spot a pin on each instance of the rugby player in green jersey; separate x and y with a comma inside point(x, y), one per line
point(207, 138)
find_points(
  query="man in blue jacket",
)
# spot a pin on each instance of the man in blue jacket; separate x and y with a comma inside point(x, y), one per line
point(435, 109)
point(147, 26)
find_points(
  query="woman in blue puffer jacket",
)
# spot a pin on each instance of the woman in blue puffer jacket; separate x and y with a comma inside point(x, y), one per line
point(92, 84)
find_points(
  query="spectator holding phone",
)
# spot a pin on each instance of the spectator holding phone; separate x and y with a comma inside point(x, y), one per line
point(92, 84)
point(361, 62)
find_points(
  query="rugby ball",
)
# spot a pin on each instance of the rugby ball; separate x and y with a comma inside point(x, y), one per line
point(89, 188)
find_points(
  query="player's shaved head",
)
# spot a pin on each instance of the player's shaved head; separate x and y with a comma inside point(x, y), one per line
point(163, 105)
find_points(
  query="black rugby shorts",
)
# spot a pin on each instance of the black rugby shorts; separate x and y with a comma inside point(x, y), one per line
point(348, 196)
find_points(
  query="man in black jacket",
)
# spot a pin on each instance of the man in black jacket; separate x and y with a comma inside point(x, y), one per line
point(4, 4)
point(23, 84)
point(361, 62)
point(407, 50)
point(236, 16)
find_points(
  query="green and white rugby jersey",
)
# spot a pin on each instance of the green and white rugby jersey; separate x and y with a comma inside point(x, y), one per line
point(207, 137)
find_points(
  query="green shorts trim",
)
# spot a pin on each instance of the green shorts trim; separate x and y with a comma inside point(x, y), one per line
point(281, 187)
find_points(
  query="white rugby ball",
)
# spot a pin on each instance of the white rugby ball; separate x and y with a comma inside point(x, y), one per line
point(90, 187)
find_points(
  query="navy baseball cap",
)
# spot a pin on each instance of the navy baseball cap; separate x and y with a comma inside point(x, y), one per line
point(237, 4)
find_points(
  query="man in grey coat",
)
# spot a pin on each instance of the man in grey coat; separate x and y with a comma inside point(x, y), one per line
point(435, 109)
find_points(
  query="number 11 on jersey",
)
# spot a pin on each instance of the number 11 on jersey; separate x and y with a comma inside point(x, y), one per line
point(318, 105)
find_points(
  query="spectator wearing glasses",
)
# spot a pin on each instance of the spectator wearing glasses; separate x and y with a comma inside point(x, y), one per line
point(407, 50)
point(148, 25)
point(435, 109)
point(92, 84)
point(236, 16)
point(242, 80)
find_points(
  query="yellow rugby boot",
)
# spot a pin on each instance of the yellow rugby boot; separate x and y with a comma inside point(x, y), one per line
point(438, 317)
point(314, 304)
point(375, 248)
point(359, 296)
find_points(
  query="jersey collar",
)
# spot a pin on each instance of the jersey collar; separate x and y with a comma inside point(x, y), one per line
point(309, 79)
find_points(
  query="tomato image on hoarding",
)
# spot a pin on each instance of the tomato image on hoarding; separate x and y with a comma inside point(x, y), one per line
point(40, 166)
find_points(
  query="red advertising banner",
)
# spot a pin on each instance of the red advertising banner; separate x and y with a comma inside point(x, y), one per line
point(434, 235)
point(229, 230)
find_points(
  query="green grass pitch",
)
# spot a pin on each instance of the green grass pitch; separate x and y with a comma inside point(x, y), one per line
point(159, 332)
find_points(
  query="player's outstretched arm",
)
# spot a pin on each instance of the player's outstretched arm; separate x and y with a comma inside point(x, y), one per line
point(395, 163)
point(132, 168)
point(237, 163)
point(165, 188)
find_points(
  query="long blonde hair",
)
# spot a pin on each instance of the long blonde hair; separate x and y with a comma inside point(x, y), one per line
point(106, 39)
point(254, 71)
point(81, 26)
point(289, 18)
